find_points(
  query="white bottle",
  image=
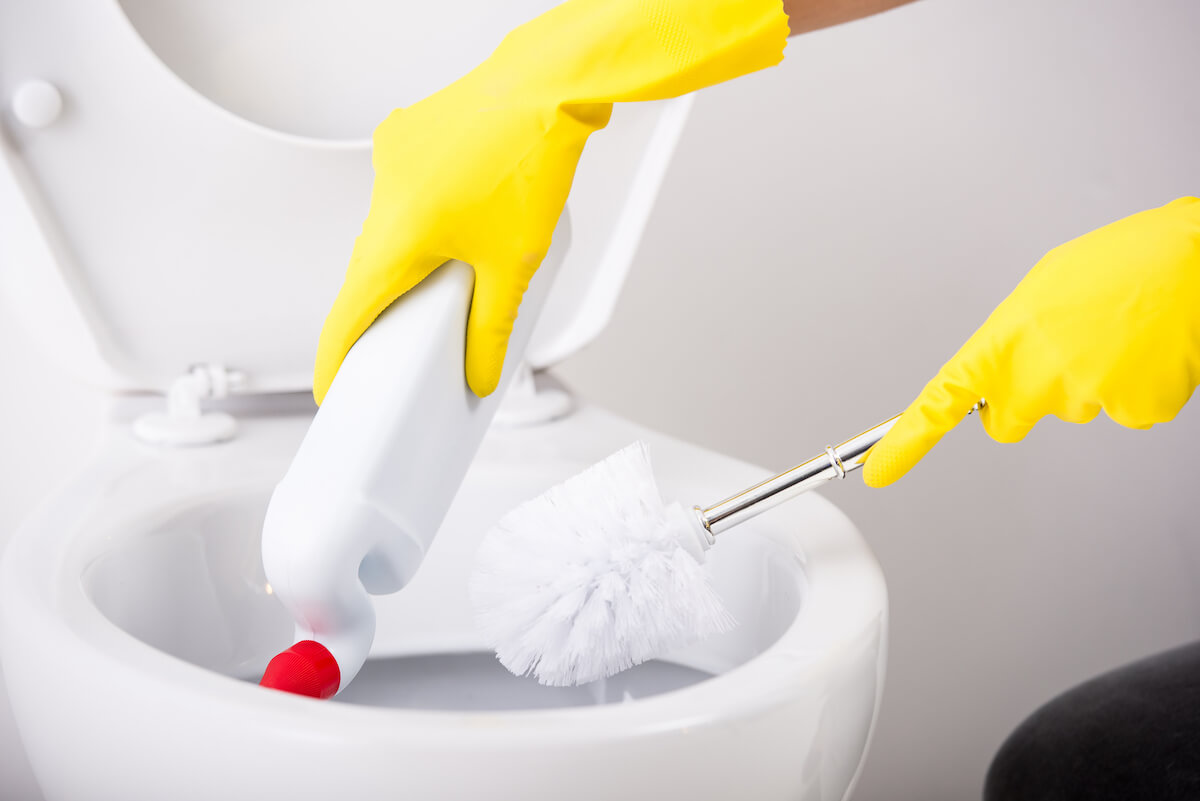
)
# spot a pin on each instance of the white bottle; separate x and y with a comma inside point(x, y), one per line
point(383, 458)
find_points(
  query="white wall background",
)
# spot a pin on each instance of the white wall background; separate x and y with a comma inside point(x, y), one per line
point(829, 233)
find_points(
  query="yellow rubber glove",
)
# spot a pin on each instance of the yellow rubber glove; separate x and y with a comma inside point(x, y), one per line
point(1109, 321)
point(480, 171)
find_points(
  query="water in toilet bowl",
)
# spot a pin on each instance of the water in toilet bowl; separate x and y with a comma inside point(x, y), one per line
point(477, 681)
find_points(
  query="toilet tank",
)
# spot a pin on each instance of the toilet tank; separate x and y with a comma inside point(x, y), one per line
point(196, 197)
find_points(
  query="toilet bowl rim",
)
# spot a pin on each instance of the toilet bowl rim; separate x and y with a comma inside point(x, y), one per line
point(51, 537)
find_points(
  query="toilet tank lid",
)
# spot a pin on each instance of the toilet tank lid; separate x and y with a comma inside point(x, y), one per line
point(95, 303)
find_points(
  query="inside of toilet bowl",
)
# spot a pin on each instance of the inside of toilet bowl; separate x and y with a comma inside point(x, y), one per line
point(189, 582)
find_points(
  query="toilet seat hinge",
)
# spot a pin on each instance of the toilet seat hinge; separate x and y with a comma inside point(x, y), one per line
point(184, 422)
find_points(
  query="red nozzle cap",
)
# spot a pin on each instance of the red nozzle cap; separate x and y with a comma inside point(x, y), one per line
point(307, 668)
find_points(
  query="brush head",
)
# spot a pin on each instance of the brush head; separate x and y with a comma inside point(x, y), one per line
point(594, 576)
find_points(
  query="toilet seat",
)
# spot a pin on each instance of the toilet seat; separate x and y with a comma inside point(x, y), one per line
point(811, 687)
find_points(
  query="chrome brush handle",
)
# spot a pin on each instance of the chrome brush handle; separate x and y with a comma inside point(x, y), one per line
point(835, 462)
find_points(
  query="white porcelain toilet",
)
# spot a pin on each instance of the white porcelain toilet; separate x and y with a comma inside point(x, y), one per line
point(175, 228)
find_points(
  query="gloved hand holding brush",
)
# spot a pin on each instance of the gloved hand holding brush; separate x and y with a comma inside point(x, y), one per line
point(480, 171)
point(1109, 321)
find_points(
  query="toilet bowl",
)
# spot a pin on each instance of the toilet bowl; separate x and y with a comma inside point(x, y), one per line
point(161, 195)
point(136, 620)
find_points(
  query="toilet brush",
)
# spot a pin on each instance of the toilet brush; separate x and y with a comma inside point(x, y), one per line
point(600, 573)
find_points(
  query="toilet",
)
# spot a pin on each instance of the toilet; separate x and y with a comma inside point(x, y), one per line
point(177, 234)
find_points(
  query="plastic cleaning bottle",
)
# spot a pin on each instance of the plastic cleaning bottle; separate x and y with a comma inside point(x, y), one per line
point(375, 474)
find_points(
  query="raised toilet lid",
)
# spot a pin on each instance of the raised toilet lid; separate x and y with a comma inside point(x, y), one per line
point(197, 198)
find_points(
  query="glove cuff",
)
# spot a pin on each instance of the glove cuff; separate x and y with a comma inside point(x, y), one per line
point(611, 51)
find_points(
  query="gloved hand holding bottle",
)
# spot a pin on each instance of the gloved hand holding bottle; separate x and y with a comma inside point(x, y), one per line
point(1109, 321)
point(480, 171)
point(477, 173)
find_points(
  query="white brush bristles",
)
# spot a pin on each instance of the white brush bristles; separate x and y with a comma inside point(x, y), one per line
point(593, 577)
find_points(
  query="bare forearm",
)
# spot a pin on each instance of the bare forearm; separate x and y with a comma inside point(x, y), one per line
point(811, 15)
